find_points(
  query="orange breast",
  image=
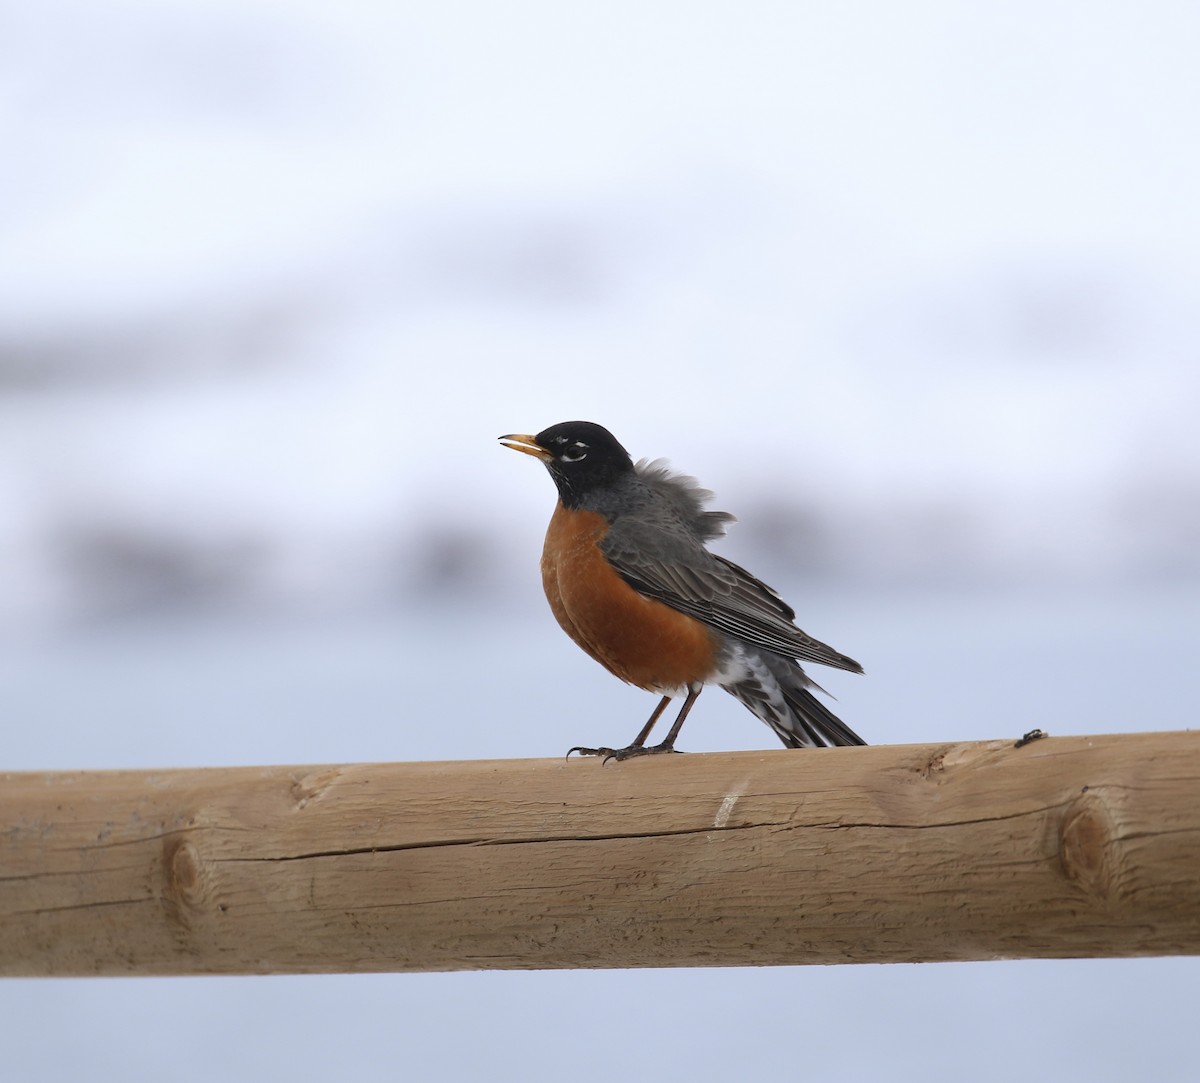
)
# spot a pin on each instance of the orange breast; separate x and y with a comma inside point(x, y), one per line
point(639, 639)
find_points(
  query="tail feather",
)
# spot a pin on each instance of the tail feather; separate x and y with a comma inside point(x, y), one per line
point(819, 724)
point(777, 690)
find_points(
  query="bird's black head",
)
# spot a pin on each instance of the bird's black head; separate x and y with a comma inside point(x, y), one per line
point(581, 457)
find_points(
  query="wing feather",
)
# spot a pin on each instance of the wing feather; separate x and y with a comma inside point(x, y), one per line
point(716, 591)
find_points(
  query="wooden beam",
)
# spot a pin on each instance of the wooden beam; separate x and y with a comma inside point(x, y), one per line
point(1066, 847)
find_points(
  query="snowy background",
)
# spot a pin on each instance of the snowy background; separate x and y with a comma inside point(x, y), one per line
point(915, 288)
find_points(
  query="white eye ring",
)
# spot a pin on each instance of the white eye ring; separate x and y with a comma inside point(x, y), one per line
point(577, 452)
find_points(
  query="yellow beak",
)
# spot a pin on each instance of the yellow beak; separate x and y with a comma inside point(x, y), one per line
point(527, 444)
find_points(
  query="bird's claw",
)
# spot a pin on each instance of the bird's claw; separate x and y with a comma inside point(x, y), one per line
point(607, 753)
point(626, 753)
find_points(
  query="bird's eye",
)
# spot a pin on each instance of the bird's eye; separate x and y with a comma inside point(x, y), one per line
point(576, 452)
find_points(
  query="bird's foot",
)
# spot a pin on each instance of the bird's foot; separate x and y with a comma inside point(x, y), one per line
point(626, 753)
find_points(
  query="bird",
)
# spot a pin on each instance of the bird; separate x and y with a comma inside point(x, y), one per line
point(629, 577)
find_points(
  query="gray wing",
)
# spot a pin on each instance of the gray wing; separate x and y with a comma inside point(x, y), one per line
point(678, 571)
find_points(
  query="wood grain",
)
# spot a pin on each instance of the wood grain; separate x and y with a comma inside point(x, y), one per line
point(1073, 846)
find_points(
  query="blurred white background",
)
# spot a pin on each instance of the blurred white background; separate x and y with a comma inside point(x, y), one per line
point(913, 287)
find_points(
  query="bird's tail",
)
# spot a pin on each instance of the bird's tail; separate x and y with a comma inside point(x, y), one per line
point(814, 724)
point(777, 690)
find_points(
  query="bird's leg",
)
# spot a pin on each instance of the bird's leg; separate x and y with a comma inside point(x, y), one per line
point(638, 742)
point(640, 739)
point(669, 744)
point(638, 748)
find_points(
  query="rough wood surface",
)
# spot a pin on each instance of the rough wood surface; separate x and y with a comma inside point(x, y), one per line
point(1074, 846)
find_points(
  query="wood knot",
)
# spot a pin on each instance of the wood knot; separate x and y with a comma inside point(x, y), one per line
point(936, 763)
point(309, 787)
point(949, 757)
point(185, 887)
point(1087, 846)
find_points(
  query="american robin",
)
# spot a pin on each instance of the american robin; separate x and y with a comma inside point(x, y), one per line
point(628, 577)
